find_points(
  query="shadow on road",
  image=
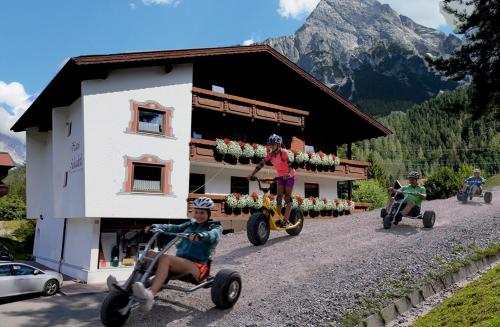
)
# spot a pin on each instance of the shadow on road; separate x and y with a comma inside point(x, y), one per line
point(401, 229)
point(231, 257)
point(57, 311)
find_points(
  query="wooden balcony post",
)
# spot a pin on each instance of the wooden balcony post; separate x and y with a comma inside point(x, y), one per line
point(349, 183)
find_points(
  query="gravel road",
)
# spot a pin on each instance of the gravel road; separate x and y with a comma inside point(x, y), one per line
point(315, 278)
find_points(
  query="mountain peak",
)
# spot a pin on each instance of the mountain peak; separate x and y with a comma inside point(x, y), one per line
point(342, 42)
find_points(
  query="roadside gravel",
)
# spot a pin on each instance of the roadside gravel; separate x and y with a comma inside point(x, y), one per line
point(331, 268)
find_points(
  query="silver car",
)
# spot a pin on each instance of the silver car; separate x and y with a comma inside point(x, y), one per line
point(19, 278)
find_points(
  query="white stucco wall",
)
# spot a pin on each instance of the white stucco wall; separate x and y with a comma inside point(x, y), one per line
point(78, 244)
point(67, 156)
point(107, 114)
point(221, 184)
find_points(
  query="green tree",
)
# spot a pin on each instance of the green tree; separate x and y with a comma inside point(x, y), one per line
point(442, 183)
point(370, 191)
point(12, 207)
point(479, 56)
point(376, 170)
point(16, 180)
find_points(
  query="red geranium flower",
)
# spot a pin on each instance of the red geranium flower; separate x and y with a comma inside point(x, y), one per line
point(254, 145)
point(325, 200)
point(321, 154)
point(242, 144)
point(227, 141)
point(254, 196)
point(237, 195)
point(337, 201)
point(299, 199)
point(271, 197)
point(294, 151)
point(334, 156)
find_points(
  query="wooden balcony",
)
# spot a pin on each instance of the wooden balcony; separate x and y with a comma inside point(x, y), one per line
point(219, 211)
point(203, 151)
point(253, 109)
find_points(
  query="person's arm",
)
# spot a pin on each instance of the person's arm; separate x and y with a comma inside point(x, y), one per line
point(289, 165)
point(213, 235)
point(258, 167)
point(172, 228)
point(421, 195)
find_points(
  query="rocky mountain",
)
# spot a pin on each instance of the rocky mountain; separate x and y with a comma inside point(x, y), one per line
point(368, 53)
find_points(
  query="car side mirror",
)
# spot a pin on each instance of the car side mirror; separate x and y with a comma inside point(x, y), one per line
point(36, 272)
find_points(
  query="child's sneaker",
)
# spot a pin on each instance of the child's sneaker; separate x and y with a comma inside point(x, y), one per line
point(143, 293)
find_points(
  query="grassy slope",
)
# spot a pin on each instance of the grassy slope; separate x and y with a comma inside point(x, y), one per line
point(477, 304)
point(492, 181)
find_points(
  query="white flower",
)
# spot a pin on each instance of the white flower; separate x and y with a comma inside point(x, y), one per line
point(261, 151)
point(341, 206)
point(231, 201)
point(319, 204)
point(248, 151)
point(244, 201)
point(301, 157)
point(330, 205)
point(291, 156)
point(234, 149)
point(336, 161)
point(220, 146)
point(306, 205)
point(327, 160)
point(315, 159)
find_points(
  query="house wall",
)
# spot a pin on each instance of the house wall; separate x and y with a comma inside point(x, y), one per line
point(67, 157)
point(221, 182)
point(107, 114)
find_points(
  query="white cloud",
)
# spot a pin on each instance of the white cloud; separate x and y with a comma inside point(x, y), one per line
point(173, 3)
point(297, 8)
point(13, 103)
point(248, 42)
point(424, 12)
point(132, 5)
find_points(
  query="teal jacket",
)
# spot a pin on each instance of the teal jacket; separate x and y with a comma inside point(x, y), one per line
point(197, 251)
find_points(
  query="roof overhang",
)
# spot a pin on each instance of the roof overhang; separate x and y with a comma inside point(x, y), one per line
point(65, 87)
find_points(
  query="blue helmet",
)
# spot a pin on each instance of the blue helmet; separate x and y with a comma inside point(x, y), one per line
point(274, 139)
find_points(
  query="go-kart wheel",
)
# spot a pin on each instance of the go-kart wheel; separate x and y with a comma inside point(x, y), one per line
point(429, 218)
point(258, 229)
point(387, 222)
point(383, 212)
point(110, 314)
point(226, 288)
point(464, 198)
point(296, 215)
point(488, 196)
point(459, 196)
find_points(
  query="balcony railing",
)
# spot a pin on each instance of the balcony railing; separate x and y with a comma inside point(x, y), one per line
point(203, 151)
point(219, 211)
point(230, 104)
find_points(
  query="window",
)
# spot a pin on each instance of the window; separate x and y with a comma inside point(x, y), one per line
point(147, 178)
point(197, 183)
point(309, 148)
point(150, 118)
point(311, 189)
point(5, 270)
point(218, 89)
point(150, 121)
point(239, 185)
point(68, 128)
point(21, 270)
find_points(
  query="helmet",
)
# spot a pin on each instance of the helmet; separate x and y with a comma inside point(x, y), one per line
point(274, 139)
point(203, 203)
point(477, 170)
point(414, 174)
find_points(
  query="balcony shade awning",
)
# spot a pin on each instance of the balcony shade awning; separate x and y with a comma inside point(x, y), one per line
point(256, 72)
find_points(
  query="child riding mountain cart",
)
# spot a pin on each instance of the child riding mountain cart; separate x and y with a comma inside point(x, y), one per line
point(473, 188)
point(406, 202)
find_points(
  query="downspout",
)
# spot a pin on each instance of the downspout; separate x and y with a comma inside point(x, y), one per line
point(63, 242)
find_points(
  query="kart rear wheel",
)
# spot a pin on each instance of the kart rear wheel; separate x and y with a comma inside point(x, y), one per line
point(110, 315)
point(387, 221)
point(488, 196)
point(296, 215)
point(459, 196)
point(429, 218)
point(464, 198)
point(226, 289)
point(258, 229)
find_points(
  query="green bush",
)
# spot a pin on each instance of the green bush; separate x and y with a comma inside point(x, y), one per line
point(25, 233)
point(442, 183)
point(12, 207)
point(370, 191)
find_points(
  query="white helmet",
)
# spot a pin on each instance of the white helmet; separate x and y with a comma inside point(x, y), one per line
point(203, 203)
point(477, 170)
point(274, 139)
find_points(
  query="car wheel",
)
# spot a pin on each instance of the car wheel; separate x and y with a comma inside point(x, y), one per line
point(51, 287)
